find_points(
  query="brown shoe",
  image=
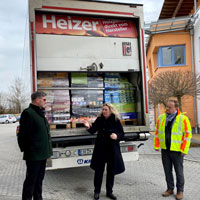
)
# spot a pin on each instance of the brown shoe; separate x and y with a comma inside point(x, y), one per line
point(179, 195)
point(168, 193)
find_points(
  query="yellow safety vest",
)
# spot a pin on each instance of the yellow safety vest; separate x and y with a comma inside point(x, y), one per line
point(181, 133)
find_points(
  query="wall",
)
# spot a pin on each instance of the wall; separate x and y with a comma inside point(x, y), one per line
point(197, 57)
point(167, 39)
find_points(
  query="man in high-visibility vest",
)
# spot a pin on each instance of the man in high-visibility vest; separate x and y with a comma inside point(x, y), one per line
point(173, 136)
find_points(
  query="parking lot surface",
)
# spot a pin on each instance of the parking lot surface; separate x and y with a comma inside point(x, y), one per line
point(142, 180)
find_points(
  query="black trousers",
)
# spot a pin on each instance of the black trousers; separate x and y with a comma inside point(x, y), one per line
point(98, 178)
point(33, 182)
point(174, 159)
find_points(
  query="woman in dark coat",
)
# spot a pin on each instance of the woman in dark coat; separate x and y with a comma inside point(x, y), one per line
point(107, 149)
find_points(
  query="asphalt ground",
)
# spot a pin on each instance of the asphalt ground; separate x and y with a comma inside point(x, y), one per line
point(142, 180)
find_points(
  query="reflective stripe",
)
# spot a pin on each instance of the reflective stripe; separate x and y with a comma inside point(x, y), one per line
point(156, 140)
point(185, 125)
point(156, 143)
point(177, 133)
point(186, 135)
point(176, 141)
point(180, 123)
point(188, 132)
point(160, 122)
point(160, 133)
point(187, 139)
point(156, 132)
point(157, 124)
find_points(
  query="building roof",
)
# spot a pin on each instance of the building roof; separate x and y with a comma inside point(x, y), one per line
point(171, 24)
point(176, 8)
point(184, 23)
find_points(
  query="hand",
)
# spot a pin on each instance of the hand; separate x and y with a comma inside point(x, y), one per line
point(113, 136)
point(156, 149)
point(86, 124)
point(183, 154)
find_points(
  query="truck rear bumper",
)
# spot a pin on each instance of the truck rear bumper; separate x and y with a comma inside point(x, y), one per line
point(82, 161)
point(91, 138)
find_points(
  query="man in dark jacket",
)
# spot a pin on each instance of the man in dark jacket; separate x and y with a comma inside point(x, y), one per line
point(34, 140)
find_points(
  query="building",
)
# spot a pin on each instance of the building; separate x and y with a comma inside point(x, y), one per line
point(197, 57)
point(172, 46)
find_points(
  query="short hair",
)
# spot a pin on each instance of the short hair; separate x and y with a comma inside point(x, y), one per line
point(37, 94)
point(175, 102)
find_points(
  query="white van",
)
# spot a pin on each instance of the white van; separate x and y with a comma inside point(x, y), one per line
point(8, 118)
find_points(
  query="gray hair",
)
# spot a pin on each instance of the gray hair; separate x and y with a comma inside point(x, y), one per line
point(37, 94)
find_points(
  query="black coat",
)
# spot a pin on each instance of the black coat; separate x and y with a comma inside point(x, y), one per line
point(107, 149)
point(34, 137)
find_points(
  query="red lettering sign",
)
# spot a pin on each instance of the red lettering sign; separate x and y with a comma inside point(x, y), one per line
point(87, 26)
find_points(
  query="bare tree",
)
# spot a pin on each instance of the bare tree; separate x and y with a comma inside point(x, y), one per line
point(173, 84)
point(157, 96)
point(18, 95)
point(2, 103)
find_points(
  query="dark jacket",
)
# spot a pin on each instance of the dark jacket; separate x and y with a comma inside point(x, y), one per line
point(168, 130)
point(33, 137)
point(107, 149)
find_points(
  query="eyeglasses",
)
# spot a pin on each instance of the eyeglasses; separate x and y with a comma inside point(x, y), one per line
point(43, 99)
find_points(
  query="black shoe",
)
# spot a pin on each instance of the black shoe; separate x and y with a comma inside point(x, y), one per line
point(111, 196)
point(96, 196)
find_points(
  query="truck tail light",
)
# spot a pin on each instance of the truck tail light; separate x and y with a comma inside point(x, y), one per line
point(127, 148)
point(130, 148)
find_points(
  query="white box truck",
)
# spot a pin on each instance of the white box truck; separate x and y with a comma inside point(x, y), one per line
point(84, 54)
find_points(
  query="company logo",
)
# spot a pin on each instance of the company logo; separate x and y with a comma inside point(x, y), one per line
point(82, 161)
point(126, 47)
point(69, 23)
point(47, 23)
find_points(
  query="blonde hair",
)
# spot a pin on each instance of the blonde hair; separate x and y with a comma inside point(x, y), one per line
point(112, 109)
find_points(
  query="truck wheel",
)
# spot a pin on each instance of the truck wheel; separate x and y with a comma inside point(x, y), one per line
point(6, 121)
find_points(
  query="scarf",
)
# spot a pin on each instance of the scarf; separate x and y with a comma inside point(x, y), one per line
point(170, 117)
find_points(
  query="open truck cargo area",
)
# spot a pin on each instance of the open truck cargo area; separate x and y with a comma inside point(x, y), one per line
point(85, 54)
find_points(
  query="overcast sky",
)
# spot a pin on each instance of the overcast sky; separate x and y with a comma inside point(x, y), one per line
point(14, 44)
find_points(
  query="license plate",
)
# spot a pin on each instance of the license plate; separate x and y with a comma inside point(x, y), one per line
point(82, 152)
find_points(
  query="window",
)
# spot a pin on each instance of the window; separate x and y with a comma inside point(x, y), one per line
point(171, 56)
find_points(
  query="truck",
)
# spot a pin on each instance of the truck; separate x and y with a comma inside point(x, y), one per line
point(85, 53)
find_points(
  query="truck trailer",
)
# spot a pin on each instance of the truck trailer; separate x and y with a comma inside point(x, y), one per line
point(83, 54)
